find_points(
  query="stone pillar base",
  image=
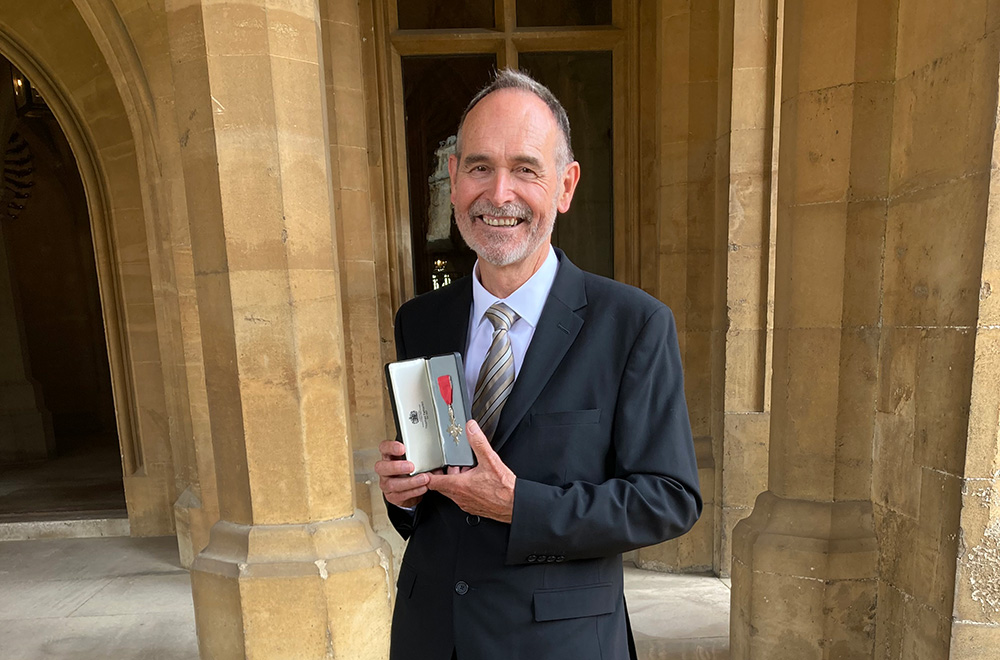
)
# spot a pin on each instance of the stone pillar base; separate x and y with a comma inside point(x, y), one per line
point(804, 581)
point(149, 501)
point(193, 522)
point(317, 590)
point(368, 497)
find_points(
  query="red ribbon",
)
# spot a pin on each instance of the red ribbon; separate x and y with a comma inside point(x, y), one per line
point(444, 384)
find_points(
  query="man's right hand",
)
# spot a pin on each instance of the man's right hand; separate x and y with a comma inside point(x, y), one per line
point(394, 477)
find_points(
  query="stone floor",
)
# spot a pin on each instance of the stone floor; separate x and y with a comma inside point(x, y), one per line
point(88, 598)
point(678, 617)
point(84, 482)
point(125, 598)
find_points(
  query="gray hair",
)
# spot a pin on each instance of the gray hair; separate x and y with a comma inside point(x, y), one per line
point(518, 80)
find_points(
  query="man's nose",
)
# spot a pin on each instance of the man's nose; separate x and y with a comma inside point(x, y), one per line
point(501, 189)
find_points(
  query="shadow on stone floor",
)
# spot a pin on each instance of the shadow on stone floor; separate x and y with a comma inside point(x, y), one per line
point(710, 648)
point(85, 482)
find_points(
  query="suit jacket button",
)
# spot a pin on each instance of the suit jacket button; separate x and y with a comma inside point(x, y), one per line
point(472, 520)
point(461, 588)
point(531, 558)
point(550, 558)
point(560, 558)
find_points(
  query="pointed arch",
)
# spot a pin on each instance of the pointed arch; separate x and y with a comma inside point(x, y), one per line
point(54, 45)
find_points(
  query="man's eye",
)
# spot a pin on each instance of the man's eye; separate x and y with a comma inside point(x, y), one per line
point(478, 168)
point(525, 170)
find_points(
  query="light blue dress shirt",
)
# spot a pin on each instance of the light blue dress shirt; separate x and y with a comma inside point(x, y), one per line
point(527, 301)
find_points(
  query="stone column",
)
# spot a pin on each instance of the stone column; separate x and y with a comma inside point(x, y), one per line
point(25, 426)
point(975, 615)
point(678, 85)
point(804, 564)
point(747, 73)
point(975, 620)
point(292, 569)
point(364, 245)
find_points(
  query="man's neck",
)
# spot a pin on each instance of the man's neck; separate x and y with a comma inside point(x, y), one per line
point(502, 281)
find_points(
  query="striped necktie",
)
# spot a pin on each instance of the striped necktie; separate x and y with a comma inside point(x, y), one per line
point(496, 377)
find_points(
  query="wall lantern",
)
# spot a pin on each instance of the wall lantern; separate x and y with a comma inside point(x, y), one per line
point(28, 101)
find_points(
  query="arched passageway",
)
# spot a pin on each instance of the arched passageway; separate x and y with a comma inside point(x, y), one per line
point(59, 451)
point(89, 76)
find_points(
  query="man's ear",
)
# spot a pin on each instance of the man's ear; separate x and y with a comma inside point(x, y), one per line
point(452, 170)
point(570, 177)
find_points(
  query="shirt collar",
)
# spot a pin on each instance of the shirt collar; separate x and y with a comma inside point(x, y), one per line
point(527, 301)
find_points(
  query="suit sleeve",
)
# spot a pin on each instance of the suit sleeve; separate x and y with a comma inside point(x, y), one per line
point(652, 494)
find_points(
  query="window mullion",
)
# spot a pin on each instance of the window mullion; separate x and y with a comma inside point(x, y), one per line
point(506, 13)
point(391, 17)
point(619, 13)
point(507, 57)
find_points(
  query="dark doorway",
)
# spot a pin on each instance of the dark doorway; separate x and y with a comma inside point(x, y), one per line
point(59, 449)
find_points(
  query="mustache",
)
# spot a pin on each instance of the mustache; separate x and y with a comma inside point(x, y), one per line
point(511, 209)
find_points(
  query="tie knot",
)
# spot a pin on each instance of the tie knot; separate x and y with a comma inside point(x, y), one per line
point(501, 316)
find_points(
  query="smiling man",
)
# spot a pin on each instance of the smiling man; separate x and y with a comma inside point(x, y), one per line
point(581, 430)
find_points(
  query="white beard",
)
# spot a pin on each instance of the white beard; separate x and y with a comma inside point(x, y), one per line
point(494, 247)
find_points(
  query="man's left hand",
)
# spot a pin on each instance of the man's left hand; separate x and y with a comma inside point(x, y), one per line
point(486, 490)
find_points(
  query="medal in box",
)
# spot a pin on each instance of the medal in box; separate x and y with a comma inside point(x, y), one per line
point(430, 407)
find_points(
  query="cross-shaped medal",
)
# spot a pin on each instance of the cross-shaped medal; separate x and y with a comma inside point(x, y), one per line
point(444, 384)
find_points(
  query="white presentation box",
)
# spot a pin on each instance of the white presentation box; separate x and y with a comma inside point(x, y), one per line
point(430, 407)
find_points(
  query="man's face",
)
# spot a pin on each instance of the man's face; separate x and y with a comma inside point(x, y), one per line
point(508, 187)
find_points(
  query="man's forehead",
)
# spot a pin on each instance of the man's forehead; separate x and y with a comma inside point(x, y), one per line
point(513, 106)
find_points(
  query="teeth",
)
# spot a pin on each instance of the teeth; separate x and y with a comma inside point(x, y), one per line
point(499, 222)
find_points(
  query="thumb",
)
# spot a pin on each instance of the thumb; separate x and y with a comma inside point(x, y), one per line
point(477, 440)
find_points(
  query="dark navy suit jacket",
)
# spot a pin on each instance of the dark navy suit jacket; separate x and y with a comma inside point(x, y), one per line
point(596, 430)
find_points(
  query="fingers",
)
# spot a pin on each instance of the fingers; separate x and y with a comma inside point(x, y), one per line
point(393, 468)
point(441, 482)
point(401, 490)
point(406, 498)
point(486, 490)
point(394, 471)
point(392, 449)
point(396, 485)
point(447, 482)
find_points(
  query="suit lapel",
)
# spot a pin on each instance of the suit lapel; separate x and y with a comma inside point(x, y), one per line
point(451, 329)
point(557, 329)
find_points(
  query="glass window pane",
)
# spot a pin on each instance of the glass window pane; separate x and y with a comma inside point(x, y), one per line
point(552, 13)
point(444, 14)
point(435, 92)
point(582, 82)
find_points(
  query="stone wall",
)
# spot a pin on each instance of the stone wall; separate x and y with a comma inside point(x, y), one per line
point(883, 342)
point(975, 626)
point(944, 105)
